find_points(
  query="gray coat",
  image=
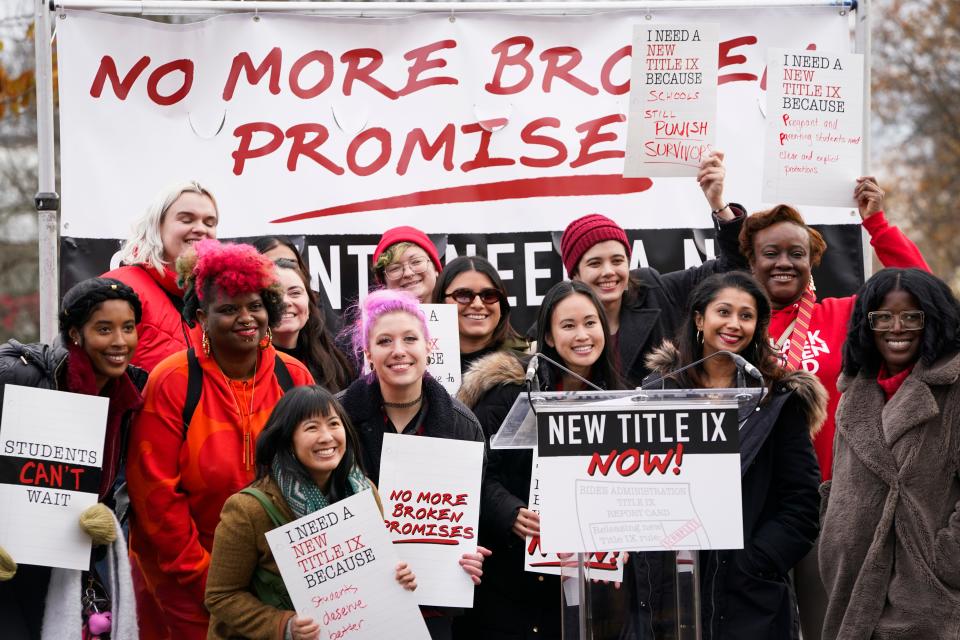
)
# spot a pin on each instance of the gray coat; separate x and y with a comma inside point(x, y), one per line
point(890, 538)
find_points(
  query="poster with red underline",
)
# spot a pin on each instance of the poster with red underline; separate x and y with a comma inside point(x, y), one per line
point(430, 489)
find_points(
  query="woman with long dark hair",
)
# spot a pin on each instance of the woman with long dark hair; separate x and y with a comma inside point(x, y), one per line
point(483, 312)
point(890, 544)
point(572, 329)
point(307, 459)
point(192, 446)
point(302, 334)
point(745, 593)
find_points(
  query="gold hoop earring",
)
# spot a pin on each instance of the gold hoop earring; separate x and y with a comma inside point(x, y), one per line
point(205, 343)
point(266, 340)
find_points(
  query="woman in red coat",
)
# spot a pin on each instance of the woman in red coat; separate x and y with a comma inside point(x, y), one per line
point(183, 214)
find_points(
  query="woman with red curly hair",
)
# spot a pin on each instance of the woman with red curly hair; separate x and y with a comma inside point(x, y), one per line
point(192, 446)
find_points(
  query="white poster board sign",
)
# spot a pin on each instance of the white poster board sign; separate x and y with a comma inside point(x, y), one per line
point(430, 489)
point(602, 565)
point(662, 478)
point(672, 124)
point(813, 148)
point(444, 360)
point(50, 460)
point(340, 569)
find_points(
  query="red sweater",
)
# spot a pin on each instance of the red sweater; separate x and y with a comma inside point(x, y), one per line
point(823, 350)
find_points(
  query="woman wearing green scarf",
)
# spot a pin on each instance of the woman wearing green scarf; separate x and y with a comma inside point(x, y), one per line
point(306, 460)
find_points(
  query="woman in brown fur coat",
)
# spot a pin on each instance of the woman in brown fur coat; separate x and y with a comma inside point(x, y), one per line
point(890, 544)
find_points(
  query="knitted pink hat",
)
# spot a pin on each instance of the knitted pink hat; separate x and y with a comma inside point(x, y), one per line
point(583, 233)
point(407, 234)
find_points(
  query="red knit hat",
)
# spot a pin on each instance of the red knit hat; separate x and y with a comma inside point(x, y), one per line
point(583, 233)
point(413, 235)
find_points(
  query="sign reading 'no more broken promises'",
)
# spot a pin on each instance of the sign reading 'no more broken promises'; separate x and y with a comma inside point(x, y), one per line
point(640, 480)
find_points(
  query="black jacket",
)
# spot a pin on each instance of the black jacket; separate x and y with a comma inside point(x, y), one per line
point(746, 593)
point(659, 306)
point(445, 418)
point(510, 603)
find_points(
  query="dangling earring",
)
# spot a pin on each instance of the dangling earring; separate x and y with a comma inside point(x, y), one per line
point(699, 336)
point(205, 343)
point(266, 340)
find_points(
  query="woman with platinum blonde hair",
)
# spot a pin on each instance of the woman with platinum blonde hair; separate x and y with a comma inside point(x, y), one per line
point(179, 216)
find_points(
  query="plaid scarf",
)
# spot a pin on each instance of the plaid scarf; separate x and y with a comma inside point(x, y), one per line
point(306, 497)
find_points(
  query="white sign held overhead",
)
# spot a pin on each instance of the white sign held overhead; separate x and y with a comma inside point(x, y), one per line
point(813, 147)
point(430, 488)
point(51, 453)
point(340, 569)
point(672, 125)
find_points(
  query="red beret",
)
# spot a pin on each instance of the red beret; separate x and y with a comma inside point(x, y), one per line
point(583, 233)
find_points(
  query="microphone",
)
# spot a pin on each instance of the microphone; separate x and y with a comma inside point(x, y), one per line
point(560, 366)
point(532, 369)
point(742, 362)
point(738, 360)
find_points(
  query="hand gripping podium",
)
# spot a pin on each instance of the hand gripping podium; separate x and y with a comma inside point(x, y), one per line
point(637, 480)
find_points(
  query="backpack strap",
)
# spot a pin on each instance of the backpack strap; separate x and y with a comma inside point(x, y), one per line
point(283, 374)
point(194, 388)
point(275, 516)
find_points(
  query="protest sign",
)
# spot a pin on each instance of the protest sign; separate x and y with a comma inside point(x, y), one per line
point(672, 123)
point(444, 360)
point(603, 565)
point(50, 460)
point(641, 480)
point(340, 569)
point(430, 488)
point(813, 147)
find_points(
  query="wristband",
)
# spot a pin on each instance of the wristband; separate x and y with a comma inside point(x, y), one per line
point(716, 211)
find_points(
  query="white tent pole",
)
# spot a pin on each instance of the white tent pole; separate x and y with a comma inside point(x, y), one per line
point(47, 201)
point(209, 7)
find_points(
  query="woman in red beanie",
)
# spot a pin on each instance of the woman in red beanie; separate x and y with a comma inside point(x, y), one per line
point(643, 307)
point(405, 258)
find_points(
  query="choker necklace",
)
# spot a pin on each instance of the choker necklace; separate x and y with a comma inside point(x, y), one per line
point(404, 405)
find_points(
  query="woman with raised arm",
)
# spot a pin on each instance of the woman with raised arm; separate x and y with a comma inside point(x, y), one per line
point(177, 218)
point(483, 312)
point(399, 396)
point(746, 593)
point(890, 543)
point(644, 306)
point(192, 446)
point(307, 460)
point(511, 602)
point(91, 356)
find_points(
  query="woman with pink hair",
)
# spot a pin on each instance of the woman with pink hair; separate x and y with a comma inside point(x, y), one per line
point(192, 446)
point(398, 396)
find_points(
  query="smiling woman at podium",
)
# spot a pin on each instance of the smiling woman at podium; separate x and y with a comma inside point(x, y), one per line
point(746, 593)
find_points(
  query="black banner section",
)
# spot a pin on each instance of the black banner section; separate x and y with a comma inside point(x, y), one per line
point(583, 433)
point(528, 262)
point(48, 474)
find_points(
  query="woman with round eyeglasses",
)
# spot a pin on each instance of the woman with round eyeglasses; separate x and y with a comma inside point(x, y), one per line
point(890, 535)
point(406, 259)
point(483, 312)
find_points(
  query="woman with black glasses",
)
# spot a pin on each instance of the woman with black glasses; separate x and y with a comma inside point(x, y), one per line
point(483, 313)
point(890, 535)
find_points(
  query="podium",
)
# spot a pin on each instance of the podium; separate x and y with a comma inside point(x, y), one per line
point(650, 475)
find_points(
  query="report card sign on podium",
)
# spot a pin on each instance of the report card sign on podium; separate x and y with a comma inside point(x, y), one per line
point(654, 479)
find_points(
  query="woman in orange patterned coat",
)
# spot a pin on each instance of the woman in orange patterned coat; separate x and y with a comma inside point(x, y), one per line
point(192, 446)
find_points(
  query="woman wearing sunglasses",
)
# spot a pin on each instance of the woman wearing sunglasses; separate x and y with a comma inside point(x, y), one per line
point(483, 313)
point(890, 536)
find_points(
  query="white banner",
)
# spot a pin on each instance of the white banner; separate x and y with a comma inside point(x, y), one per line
point(467, 123)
